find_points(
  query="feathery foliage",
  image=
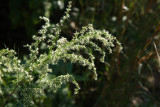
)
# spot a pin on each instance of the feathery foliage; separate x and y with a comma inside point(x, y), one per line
point(23, 81)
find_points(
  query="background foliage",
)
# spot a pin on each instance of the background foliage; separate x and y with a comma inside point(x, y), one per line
point(129, 78)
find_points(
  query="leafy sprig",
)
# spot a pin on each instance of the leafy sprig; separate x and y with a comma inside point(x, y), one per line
point(14, 73)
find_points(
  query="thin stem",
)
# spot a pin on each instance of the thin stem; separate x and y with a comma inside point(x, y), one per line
point(11, 94)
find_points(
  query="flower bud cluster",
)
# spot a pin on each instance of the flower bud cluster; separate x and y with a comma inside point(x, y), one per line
point(33, 74)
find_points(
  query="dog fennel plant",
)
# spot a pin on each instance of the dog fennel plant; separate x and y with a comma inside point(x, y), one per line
point(18, 81)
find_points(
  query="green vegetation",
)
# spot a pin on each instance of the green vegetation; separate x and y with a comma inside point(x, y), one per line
point(127, 78)
point(30, 79)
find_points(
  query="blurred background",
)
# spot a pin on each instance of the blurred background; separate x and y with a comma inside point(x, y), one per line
point(130, 78)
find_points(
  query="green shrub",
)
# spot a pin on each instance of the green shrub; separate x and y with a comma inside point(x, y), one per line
point(24, 81)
